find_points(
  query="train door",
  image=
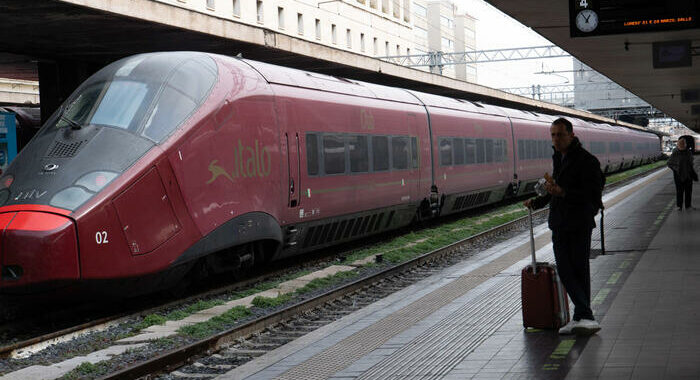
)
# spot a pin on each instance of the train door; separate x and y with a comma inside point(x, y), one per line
point(293, 145)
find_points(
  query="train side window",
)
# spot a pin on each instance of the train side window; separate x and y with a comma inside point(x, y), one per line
point(531, 149)
point(334, 154)
point(488, 149)
point(521, 149)
point(399, 152)
point(505, 150)
point(542, 148)
point(480, 154)
point(469, 151)
point(380, 153)
point(414, 152)
point(498, 150)
point(311, 154)
point(359, 153)
point(459, 151)
point(445, 152)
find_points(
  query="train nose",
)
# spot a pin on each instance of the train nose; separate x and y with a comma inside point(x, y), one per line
point(37, 248)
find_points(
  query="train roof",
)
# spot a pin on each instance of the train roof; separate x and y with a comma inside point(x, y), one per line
point(526, 115)
point(306, 79)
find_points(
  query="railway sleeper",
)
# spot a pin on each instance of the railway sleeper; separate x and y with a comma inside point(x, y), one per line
point(218, 367)
point(273, 340)
point(254, 345)
point(241, 352)
point(194, 368)
point(184, 375)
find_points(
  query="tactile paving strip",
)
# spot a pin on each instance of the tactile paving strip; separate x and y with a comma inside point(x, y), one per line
point(439, 349)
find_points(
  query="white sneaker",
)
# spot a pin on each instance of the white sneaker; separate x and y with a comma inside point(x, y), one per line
point(568, 328)
point(586, 327)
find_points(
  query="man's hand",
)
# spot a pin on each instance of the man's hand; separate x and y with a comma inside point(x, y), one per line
point(528, 203)
point(552, 186)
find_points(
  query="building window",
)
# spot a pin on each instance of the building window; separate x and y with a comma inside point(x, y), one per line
point(280, 17)
point(300, 23)
point(373, 4)
point(211, 4)
point(470, 34)
point(318, 29)
point(385, 6)
point(375, 46)
point(420, 10)
point(446, 22)
point(237, 8)
point(447, 44)
point(398, 49)
point(408, 51)
point(362, 42)
point(396, 8)
point(259, 9)
point(334, 34)
point(386, 48)
point(407, 10)
point(420, 32)
point(348, 38)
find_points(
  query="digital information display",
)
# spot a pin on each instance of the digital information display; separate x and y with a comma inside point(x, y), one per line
point(601, 17)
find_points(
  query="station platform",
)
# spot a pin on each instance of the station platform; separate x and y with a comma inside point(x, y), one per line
point(466, 322)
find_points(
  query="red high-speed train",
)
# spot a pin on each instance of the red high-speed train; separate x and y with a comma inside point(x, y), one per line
point(162, 161)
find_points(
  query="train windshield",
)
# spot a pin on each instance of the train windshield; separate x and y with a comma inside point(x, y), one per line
point(149, 95)
point(113, 119)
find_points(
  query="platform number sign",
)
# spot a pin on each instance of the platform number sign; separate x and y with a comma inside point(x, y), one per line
point(585, 18)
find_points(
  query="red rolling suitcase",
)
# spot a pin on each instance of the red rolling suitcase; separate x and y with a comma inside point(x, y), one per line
point(545, 303)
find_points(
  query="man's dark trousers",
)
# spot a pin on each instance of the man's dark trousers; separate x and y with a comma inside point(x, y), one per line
point(683, 188)
point(571, 251)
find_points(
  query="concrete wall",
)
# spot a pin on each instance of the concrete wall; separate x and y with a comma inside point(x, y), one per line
point(18, 92)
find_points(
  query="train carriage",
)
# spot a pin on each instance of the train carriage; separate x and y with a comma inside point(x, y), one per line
point(163, 163)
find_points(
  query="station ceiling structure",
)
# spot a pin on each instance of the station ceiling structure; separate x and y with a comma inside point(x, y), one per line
point(621, 46)
point(67, 40)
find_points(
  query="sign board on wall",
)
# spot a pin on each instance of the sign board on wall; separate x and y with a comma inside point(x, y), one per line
point(601, 17)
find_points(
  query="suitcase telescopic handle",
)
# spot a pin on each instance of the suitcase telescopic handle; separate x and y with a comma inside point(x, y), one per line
point(532, 242)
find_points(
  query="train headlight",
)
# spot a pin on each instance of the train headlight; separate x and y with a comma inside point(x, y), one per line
point(84, 188)
point(95, 181)
point(70, 198)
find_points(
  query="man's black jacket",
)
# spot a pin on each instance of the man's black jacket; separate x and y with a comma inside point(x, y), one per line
point(580, 176)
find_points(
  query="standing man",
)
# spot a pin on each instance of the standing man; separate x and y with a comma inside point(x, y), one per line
point(681, 162)
point(574, 197)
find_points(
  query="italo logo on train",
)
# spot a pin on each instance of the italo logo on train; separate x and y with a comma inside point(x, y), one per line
point(249, 162)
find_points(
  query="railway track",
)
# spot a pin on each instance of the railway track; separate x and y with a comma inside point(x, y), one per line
point(264, 334)
point(290, 322)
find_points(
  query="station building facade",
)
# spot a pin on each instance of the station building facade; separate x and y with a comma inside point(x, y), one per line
point(375, 28)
